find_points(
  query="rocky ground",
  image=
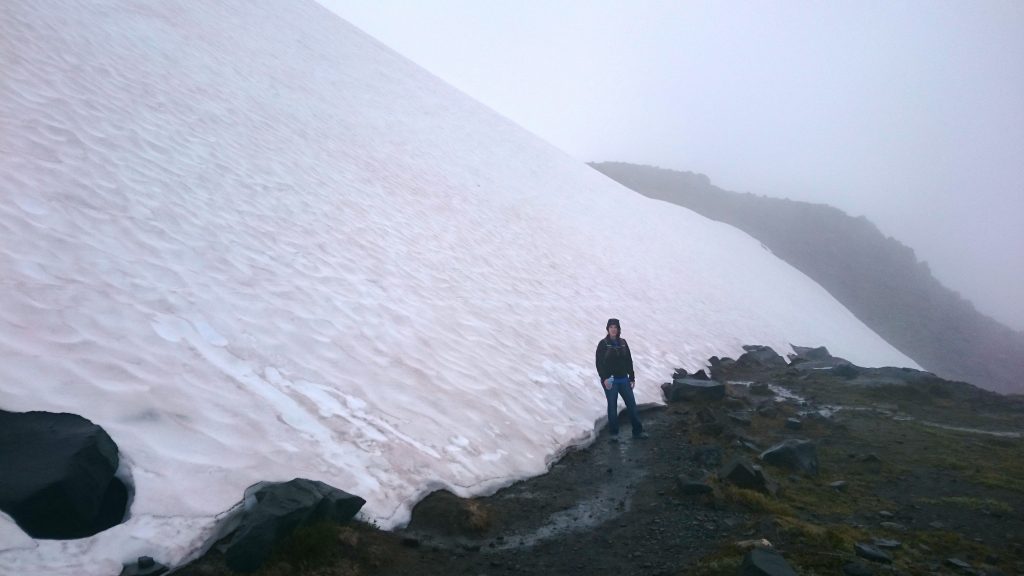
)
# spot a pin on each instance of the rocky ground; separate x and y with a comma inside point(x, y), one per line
point(884, 486)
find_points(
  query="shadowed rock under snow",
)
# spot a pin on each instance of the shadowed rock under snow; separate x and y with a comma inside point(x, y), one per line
point(275, 510)
point(58, 475)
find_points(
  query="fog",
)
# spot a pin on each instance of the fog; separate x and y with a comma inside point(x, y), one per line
point(909, 113)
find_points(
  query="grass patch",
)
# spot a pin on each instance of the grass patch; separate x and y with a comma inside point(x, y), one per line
point(756, 501)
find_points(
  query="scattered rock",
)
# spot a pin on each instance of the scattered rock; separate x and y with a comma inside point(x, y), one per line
point(761, 389)
point(839, 485)
point(869, 552)
point(794, 423)
point(741, 418)
point(886, 514)
point(799, 455)
point(760, 357)
point(936, 525)
point(768, 410)
point(746, 475)
point(691, 389)
point(748, 544)
point(958, 563)
point(273, 510)
point(58, 475)
point(765, 562)
point(144, 566)
point(895, 526)
point(886, 543)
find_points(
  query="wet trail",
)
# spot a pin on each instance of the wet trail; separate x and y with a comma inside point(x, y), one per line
point(608, 508)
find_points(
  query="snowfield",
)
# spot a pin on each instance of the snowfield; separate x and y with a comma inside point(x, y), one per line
point(253, 243)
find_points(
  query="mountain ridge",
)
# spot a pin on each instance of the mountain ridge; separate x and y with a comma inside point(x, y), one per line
point(876, 276)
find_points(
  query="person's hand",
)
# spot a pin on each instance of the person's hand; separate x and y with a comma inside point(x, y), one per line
point(632, 384)
point(607, 384)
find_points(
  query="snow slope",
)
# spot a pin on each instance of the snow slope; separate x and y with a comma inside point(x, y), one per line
point(255, 244)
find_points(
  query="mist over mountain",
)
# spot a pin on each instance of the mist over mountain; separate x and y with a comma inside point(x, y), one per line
point(877, 277)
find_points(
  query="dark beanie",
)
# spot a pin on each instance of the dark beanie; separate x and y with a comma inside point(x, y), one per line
point(612, 322)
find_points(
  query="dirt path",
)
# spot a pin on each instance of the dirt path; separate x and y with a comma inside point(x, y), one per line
point(611, 508)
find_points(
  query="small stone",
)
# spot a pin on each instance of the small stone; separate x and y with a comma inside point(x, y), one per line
point(895, 526)
point(869, 552)
point(936, 525)
point(958, 563)
point(839, 485)
point(887, 543)
point(765, 562)
point(794, 423)
point(886, 514)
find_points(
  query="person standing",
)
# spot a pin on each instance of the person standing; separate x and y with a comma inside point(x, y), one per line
point(615, 367)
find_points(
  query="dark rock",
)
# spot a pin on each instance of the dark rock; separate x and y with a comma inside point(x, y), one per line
point(691, 389)
point(886, 543)
point(761, 389)
point(679, 373)
point(700, 375)
point(893, 526)
point(810, 354)
point(746, 475)
point(741, 418)
point(760, 357)
point(794, 423)
point(957, 563)
point(765, 562)
point(692, 487)
point(735, 403)
point(870, 458)
point(144, 566)
point(768, 410)
point(711, 429)
point(709, 456)
point(273, 510)
point(869, 552)
point(839, 485)
point(410, 542)
point(799, 455)
point(856, 569)
point(58, 475)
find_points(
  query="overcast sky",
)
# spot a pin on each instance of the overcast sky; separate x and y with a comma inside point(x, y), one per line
point(910, 113)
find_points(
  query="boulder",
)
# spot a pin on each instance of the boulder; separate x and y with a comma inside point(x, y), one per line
point(794, 423)
point(761, 389)
point(760, 357)
point(700, 375)
point(743, 474)
point(869, 552)
point(798, 455)
point(58, 475)
point(273, 510)
point(690, 389)
point(765, 562)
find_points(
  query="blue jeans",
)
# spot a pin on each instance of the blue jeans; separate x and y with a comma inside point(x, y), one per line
point(621, 387)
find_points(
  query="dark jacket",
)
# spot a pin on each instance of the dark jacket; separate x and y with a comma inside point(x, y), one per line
point(613, 359)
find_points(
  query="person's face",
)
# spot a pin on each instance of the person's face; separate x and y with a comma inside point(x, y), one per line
point(613, 331)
